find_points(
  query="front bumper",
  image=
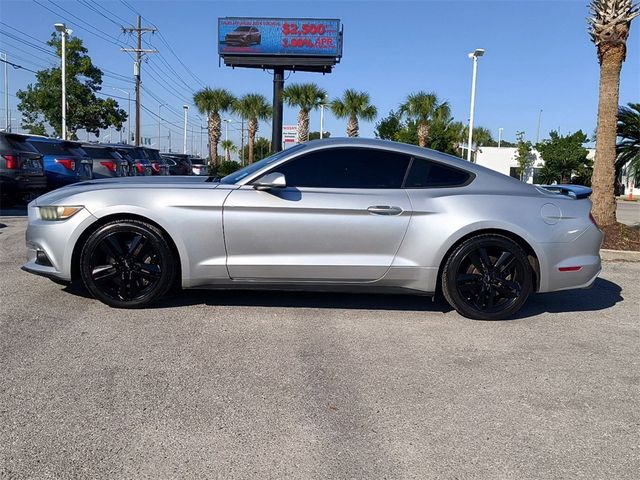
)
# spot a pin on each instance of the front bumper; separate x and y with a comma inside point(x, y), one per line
point(55, 240)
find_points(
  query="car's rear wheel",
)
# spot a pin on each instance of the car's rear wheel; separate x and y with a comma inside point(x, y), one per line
point(127, 264)
point(487, 277)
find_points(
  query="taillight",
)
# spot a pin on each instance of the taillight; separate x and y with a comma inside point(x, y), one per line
point(140, 168)
point(12, 161)
point(156, 167)
point(66, 163)
point(593, 220)
point(111, 166)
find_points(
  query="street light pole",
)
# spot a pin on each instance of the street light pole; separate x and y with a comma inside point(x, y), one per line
point(184, 145)
point(500, 136)
point(478, 52)
point(128, 115)
point(61, 27)
point(322, 105)
point(7, 124)
point(159, 120)
point(538, 133)
point(226, 130)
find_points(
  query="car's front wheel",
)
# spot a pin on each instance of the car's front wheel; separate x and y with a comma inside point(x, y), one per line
point(487, 277)
point(127, 264)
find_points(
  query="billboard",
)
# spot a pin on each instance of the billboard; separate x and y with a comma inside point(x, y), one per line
point(304, 37)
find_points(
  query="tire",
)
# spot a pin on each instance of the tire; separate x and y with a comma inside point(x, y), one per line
point(127, 264)
point(487, 277)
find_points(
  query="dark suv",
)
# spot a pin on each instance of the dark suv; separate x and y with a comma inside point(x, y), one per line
point(21, 169)
point(139, 163)
point(159, 165)
point(64, 161)
point(107, 162)
point(179, 163)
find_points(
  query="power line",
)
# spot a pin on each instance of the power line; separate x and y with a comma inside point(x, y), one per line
point(16, 66)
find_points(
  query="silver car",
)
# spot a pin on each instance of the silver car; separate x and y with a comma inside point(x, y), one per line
point(334, 214)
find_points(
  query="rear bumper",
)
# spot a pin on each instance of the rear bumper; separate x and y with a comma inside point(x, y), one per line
point(22, 184)
point(583, 252)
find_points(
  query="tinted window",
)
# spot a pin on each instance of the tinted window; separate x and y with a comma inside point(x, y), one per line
point(254, 167)
point(47, 148)
point(100, 152)
point(17, 143)
point(426, 174)
point(346, 168)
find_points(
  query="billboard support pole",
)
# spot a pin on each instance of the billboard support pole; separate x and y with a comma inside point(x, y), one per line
point(276, 133)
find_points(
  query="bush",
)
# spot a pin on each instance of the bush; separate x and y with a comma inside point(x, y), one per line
point(225, 168)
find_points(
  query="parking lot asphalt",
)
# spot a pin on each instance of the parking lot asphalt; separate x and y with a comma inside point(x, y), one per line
point(292, 385)
point(628, 213)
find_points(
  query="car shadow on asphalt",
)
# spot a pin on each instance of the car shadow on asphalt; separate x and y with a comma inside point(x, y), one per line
point(602, 295)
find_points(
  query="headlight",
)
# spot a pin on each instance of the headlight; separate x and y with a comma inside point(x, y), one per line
point(58, 213)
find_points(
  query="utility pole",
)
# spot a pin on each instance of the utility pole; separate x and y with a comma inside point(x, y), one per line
point(159, 120)
point(538, 132)
point(7, 125)
point(184, 142)
point(139, 51)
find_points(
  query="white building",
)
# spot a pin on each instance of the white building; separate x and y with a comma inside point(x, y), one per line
point(503, 160)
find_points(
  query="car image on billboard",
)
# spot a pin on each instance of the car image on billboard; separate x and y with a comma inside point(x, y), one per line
point(279, 36)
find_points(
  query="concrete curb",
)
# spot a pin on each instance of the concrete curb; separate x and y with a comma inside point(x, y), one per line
point(619, 255)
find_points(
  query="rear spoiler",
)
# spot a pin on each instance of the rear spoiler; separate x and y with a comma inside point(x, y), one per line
point(575, 191)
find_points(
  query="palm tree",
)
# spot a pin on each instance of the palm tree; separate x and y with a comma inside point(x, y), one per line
point(628, 148)
point(307, 97)
point(354, 105)
point(228, 146)
point(212, 101)
point(254, 107)
point(609, 25)
point(424, 108)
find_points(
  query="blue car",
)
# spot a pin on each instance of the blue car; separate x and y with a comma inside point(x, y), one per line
point(64, 162)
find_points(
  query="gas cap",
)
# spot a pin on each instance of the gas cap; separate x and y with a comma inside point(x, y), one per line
point(550, 213)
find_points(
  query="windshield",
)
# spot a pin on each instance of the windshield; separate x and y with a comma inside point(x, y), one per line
point(235, 177)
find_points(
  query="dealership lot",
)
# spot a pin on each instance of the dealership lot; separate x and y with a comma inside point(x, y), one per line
point(274, 385)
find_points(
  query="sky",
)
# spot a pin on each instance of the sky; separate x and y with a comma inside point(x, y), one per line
point(538, 57)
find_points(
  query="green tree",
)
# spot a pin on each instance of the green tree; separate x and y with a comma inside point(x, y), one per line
point(229, 147)
point(307, 97)
point(354, 105)
point(254, 107)
point(564, 156)
point(226, 167)
point(524, 157)
point(425, 108)
point(262, 149)
point(628, 147)
point(609, 26)
point(211, 102)
point(40, 103)
point(316, 135)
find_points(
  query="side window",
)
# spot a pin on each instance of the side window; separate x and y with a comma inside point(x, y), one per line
point(427, 174)
point(346, 168)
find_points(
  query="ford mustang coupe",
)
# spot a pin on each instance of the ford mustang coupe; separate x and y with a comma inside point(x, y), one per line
point(333, 214)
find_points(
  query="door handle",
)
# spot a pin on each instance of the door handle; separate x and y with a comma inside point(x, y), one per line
point(384, 210)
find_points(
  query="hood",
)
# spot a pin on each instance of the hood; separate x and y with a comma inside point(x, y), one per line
point(161, 181)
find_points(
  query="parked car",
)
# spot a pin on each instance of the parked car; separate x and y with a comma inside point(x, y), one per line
point(199, 166)
point(179, 163)
point(340, 214)
point(21, 169)
point(64, 161)
point(159, 165)
point(107, 162)
point(244, 36)
point(139, 163)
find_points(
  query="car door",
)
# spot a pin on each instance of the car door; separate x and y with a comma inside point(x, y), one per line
point(341, 218)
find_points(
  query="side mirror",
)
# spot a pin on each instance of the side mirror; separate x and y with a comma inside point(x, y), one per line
point(270, 181)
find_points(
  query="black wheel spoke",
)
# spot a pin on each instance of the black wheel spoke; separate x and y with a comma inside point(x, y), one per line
point(484, 258)
point(149, 271)
point(477, 262)
point(136, 246)
point(112, 246)
point(103, 272)
point(504, 256)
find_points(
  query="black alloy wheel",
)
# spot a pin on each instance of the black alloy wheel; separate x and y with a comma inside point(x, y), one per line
point(127, 264)
point(487, 277)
